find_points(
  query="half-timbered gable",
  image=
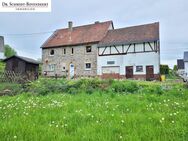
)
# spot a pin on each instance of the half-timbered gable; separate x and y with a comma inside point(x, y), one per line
point(134, 51)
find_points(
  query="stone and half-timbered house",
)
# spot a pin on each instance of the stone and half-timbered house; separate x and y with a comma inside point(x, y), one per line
point(100, 50)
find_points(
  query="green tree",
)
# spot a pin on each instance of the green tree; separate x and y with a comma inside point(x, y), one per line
point(164, 69)
point(9, 51)
point(175, 68)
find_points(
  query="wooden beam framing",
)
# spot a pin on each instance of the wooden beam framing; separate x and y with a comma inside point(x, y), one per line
point(150, 46)
point(144, 45)
point(128, 48)
point(104, 50)
point(116, 49)
point(125, 52)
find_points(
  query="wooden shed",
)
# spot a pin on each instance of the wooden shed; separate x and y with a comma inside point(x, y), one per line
point(22, 65)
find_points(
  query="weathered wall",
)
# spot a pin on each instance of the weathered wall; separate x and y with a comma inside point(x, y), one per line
point(16, 65)
point(134, 59)
point(79, 58)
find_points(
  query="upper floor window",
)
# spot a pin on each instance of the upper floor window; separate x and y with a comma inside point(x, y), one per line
point(64, 51)
point(52, 52)
point(88, 48)
point(72, 50)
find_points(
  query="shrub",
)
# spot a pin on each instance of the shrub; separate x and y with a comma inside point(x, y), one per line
point(125, 87)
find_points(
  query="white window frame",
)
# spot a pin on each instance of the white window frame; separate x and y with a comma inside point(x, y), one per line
point(140, 66)
point(52, 67)
point(90, 65)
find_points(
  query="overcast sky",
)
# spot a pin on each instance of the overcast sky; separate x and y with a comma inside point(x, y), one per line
point(172, 15)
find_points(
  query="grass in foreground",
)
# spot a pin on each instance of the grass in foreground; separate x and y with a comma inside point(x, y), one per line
point(102, 115)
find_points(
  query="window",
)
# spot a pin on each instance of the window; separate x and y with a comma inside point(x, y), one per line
point(52, 67)
point(64, 69)
point(52, 52)
point(139, 68)
point(88, 66)
point(110, 62)
point(88, 48)
point(72, 50)
point(64, 51)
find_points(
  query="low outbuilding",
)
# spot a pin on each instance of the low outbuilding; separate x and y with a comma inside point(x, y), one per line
point(22, 65)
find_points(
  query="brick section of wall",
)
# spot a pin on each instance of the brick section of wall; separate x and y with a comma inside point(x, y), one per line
point(135, 77)
point(78, 58)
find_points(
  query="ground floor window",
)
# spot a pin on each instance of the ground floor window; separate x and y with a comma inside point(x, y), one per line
point(88, 66)
point(52, 67)
point(139, 68)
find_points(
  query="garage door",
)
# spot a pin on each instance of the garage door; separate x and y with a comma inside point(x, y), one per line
point(110, 72)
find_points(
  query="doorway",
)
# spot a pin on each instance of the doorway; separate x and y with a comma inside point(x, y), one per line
point(149, 73)
point(71, 71)
point(129, 72)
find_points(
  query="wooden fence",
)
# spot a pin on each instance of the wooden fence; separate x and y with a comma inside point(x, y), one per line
point(12, 77)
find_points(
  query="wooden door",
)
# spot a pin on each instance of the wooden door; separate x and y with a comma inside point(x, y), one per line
point(129, 72)
point(149, 73)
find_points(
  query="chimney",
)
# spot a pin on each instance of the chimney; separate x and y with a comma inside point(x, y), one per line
point(97, 22)
point(70, 24)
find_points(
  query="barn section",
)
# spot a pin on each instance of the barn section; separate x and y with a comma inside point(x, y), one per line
point(134, 50)
point(23, 65)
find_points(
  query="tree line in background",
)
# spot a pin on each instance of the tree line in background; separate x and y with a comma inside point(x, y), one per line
point(8, 52)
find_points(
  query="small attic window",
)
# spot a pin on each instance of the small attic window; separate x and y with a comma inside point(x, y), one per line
point(52, 52)
point(88, 48)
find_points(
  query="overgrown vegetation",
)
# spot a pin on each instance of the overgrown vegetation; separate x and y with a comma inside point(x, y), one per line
point(164, 69)
point(2, 66)
point(94, 109)
point(90, 86)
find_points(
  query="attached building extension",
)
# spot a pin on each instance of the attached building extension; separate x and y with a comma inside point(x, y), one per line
point(100, 50)
point(132, 53)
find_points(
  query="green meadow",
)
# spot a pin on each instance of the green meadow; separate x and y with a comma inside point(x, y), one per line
point(94, 110)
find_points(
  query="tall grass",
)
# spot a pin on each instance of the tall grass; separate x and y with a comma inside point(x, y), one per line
point(93, 109)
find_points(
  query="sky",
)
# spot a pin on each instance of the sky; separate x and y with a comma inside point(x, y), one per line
point(172, 15)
